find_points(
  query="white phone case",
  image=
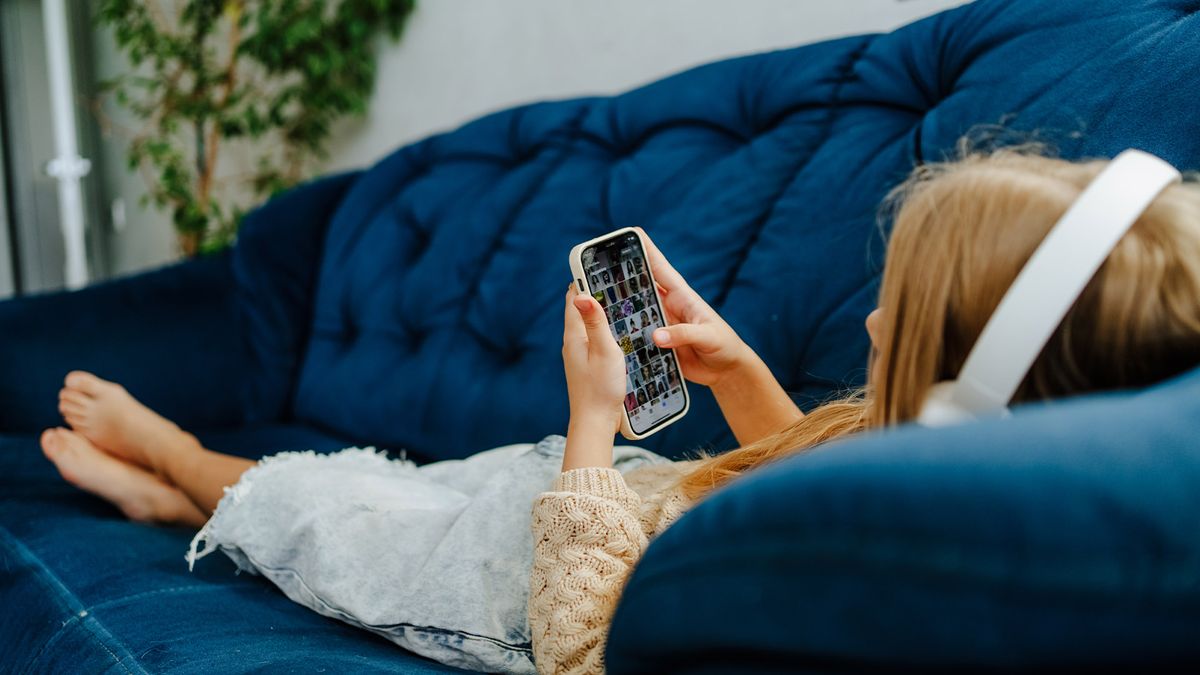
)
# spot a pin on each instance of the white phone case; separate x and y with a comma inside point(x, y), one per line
point(576, 262)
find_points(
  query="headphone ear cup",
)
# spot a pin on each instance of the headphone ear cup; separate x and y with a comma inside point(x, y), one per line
point(939, 408)
point(944, 407)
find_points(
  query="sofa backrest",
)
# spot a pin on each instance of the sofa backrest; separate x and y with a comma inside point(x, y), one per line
point(437, 319)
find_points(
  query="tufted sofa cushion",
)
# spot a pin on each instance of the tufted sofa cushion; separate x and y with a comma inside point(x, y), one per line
point(437, 317)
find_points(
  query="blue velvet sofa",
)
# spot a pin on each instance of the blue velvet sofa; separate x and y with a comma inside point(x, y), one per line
point(416, 306)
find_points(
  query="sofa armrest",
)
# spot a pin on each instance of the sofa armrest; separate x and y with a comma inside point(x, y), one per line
point(1062, 539)
point(170, 336)
point(210, 343)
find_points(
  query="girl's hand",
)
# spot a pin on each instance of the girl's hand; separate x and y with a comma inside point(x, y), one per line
point(595, 369)
point(708, 350)
point(710, 353)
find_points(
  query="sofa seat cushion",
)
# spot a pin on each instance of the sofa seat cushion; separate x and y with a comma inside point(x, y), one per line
point(94, 592)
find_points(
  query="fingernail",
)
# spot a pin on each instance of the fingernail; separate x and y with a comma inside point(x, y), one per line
point(662, 337)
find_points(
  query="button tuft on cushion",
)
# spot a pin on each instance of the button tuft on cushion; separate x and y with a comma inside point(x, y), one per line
point(418, 234)
point(416, 338)
point(420, 242)
point(522, 157)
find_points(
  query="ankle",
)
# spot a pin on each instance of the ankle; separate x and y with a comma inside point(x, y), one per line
point(177, 456)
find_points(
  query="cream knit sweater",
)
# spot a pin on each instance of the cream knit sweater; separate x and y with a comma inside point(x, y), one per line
point(588, 532)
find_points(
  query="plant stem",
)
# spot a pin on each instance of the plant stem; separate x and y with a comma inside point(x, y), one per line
point(201, 154)
point(214, 139)
point(266, 91)
point(198, 124)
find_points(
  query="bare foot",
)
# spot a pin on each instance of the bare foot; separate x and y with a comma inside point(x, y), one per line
point(108, 416)
point(139, 494)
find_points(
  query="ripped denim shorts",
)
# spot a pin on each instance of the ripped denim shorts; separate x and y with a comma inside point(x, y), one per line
point(435, 558)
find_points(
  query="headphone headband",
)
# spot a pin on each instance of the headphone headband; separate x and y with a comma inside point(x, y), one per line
point(1047, 287)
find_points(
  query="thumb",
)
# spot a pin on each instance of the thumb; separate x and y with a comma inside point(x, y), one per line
point(694, 335)
point(594, 321)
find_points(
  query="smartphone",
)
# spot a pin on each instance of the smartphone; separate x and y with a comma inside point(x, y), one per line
point(614, 270)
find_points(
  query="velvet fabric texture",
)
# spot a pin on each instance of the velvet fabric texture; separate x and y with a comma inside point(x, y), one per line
point(1064, 538)
point(417, 305)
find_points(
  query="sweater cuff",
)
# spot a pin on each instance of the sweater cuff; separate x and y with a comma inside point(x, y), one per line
point(603, 483)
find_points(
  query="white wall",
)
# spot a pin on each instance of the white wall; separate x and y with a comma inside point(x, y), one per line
point(138, 237)
point(462, 58)
point(7, 279)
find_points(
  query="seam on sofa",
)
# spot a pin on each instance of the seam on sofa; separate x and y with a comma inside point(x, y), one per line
point(174, 590)
point(624, 149)
point(69, 603)
point(1158, 34)
point(844, 74)
point(918, 138)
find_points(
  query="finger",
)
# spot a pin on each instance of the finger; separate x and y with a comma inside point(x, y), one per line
point(697, 336)
point(573, 328)
point(677, 296)
point(664, 274)
point(668, 307)
point(594, 321)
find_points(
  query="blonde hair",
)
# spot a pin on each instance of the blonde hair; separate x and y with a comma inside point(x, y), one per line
point(962, 231)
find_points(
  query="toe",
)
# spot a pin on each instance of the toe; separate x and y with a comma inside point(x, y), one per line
point(71, 408)
point(137, 493)
point(72, 439)
point(73, 417)
point(75, 396)
point(58, 450)
point(51, 443)
point(77, 424)
point(84, 382)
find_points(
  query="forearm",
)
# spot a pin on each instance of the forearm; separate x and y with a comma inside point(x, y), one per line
point(589, 442)
point(754, 403)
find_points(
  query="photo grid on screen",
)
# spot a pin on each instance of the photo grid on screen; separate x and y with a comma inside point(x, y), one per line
point(619, 282)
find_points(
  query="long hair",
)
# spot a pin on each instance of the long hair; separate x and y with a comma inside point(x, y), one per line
point(962, 231)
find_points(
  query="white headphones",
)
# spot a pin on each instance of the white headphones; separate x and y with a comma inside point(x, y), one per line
point(1046, 289)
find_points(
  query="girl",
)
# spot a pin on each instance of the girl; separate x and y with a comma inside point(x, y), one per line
point(445, 559)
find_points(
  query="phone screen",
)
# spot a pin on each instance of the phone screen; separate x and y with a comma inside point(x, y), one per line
point(617, 277)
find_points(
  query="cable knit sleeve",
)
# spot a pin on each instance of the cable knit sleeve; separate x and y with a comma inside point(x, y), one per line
point(587, 537)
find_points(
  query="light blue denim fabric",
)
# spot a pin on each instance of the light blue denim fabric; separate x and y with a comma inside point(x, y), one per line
point(434, 558)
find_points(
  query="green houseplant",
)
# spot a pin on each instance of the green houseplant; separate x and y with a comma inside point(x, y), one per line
point(266, 78)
